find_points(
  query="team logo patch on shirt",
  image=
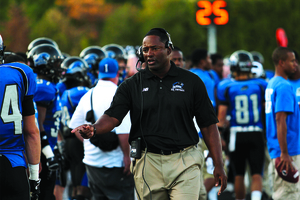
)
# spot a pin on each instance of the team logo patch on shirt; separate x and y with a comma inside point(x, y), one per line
point(298, 92)
point(145, 89)
point(178, 86)
point(245, 88)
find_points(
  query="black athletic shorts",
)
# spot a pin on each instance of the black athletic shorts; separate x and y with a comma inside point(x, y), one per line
point(74, 154)
point(250, 147)
point(14, 183)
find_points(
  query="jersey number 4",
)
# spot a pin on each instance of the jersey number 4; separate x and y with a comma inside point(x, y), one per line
point(10, 111)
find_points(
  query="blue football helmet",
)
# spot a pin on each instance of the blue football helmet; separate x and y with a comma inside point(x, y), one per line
point(76, 73)
point(115, 51)
point(93, 55)
point(257, 57)
point(45, 59)
point(41, 40)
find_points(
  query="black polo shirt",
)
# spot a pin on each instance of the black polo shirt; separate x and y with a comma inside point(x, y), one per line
point(168, 106)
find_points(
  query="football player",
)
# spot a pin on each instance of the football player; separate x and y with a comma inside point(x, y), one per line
point(19, 133)
point(45, 60)
point(243, 98)
point(67, 83)
point(117, 52)
point(93, 55)
point(41, 40)
point(77, 83)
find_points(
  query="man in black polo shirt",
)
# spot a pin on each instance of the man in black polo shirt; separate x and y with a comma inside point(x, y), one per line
point(163, 100)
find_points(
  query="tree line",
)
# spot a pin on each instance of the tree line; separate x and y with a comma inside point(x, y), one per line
point(76, 24)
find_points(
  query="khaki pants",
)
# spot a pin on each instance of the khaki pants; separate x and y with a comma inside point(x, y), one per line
point(284, 190)
point(176, 176)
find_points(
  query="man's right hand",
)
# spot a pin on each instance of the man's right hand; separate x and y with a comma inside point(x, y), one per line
point(52, 164)
point(220, 176)
point(86, 131)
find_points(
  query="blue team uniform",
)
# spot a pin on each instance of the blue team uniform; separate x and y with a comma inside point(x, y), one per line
point(296, 88)
point(280, 97)
point(210, 85)
point(47, 96)
point(208, 81)
point(93, 78)
point(17, 82)
point(61, 87)
point(269, 74)
point(215, 76)
point(245, 99)
point(69, 102)
point(221, 88)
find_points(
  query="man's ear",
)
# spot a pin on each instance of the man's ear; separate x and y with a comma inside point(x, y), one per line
point(169, 50)
point(281, 63)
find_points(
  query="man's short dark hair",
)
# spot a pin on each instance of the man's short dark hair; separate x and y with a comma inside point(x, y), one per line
point(214, 57)
point(161, 33)
point(176, 48)
point(280, 53)
point(296, 55)
point(197, 55)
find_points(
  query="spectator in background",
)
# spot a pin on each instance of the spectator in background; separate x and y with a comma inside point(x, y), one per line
point(202, 66)
point(217, 67)
point(177, 57)
point(294, 79)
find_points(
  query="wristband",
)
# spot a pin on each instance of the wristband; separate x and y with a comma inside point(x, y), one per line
point(94, 131)
point(47, 151)
point(33, 171)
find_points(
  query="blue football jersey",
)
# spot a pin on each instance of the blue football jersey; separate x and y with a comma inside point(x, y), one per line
point(61, 87)
point(209, 83)
point(47, 96)
point(17, 81)
point(296, 88)
point(269, 74)
point(244, 99)
point(93, 78)
point(215, 76)
point(69, 102)
point(221, 88)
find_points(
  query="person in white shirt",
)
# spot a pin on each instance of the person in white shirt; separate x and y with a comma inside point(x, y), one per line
point(108, 172)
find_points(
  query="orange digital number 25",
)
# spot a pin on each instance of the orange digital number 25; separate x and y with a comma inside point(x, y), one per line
point(207, 8)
